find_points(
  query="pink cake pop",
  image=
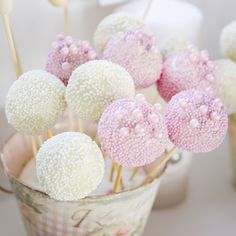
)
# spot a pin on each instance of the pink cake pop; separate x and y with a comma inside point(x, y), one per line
point(67, 55)
point(132, 132)
point(189, 70)
point(195, 121)
point(137, 53)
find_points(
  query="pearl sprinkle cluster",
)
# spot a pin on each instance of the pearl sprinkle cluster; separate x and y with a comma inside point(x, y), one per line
point(132, 132)
point(67, 55)
point(137, 52)
point(195, 121)
point(189, 70)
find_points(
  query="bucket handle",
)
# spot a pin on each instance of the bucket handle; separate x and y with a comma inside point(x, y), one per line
point(2, 189)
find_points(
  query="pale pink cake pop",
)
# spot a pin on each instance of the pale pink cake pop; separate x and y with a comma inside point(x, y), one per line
point(132, 132)
point(137, 52)
point(67, 55)
point(189, 70)
point(195, 121)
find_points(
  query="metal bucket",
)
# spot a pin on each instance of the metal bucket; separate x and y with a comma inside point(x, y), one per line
point(125, 213)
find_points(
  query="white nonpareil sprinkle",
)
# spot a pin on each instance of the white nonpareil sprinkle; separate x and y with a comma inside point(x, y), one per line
point(35, 102)
point(69, 166)
point(94, 85)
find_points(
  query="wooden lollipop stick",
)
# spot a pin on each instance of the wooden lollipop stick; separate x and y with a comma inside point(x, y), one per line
point(49, 133)
point(122, 185)
point(147, 9)
point(12, 46)
point(134, 173)
point(112, 172)
point(118, 178)
point(66, 19)
point(162, 162)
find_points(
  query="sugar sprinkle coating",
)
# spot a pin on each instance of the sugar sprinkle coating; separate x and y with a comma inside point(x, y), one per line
point(173, 45)
point(132, 132)
point(96, 84)
point(228, 41)
point(112, 24)
point(195, 121)
point(67, 55)
point(69, 166)
point(35, 102)
point(189, 70)
point(226, 83)
point(137, 52)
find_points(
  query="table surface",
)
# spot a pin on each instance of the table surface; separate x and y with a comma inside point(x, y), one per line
point(209, 209)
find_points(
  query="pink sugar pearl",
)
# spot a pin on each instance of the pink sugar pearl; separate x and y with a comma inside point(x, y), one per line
point(189, 70)
point(132, 132)
point(195, 121)
point(137, 53)
point(67, 55)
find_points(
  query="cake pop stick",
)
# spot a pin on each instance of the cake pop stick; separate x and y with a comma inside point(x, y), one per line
point(50, 134)
point(5, 9)
point(134, 173)
point(147, 9)
point(118, 179)
point(112, 171)
point(160, 165)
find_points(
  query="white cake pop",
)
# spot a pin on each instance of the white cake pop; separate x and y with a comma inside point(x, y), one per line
point(35, 102)
point(174, 45)
point(228, 41)
point(225, 75)
point(69, 166)
point(96, 84)
point(112, 24)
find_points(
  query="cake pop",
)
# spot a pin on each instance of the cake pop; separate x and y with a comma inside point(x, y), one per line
point(112, 24)
point(132, 132)
point(35, 102)
point(67, 55)
point(225, 75)
point(228, 40)
point(96, 84)
point(69, 166)
point(195, 121)
point(137, 52)
point(173, 45)
point(188, 70)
